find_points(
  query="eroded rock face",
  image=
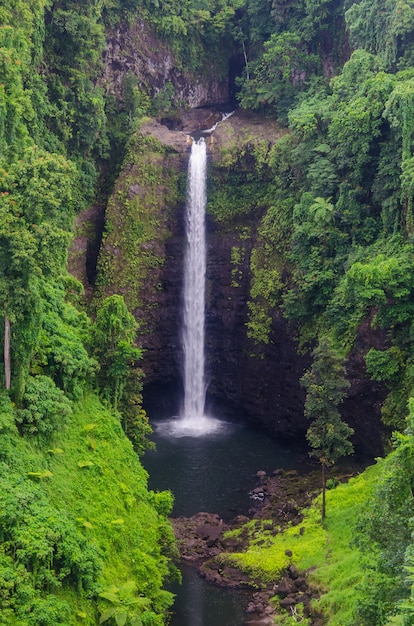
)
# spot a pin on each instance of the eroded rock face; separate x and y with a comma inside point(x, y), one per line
point(135, 50)
point(362, 406)
point(241, 383)
point(262, 384)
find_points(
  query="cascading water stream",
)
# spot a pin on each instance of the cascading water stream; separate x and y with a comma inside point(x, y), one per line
point(194, 285)
point(205, 473)
point(193, 421)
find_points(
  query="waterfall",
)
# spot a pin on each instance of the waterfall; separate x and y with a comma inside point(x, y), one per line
point(194, 284)
point(193, 421)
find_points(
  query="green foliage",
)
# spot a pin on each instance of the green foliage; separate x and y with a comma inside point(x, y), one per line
point(61, 351)
point(281, 73)
point(383, 27)
point(287, 47)
point(264, 292)
point(162, 501)
point(234, 191)
point(8, 430)
point(60, 545)
point(335, 561)
point(384, 365)
point(381, 279)
point(199, 32)
point(74, 43)
point(163, 101)
point(42, 546)
point(138, 215)
point(113, 338)
point(45, 408)
point(385, 533)
point(357, 118)
point(325, 385)
point(333, 249)
point(314, 248)
point(126, 606)
point(119, 378)
point(399, 108)
point(36, 210)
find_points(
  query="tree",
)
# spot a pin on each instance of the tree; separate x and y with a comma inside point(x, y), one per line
point(384, 534)
point(37, 199)
point(326, 384)
point(113, 339)
point(383, 27)
point(399, 112)
point(119, 376)
point(322, 211)
point(283, 70)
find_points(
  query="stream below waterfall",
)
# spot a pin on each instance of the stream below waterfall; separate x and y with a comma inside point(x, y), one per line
point(212, 473)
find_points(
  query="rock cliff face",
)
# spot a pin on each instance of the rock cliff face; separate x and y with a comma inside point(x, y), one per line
point(141, 251)
point(264, 387)
point(134, 50)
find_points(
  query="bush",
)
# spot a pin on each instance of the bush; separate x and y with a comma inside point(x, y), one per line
point(43, 541)
point(45, 407)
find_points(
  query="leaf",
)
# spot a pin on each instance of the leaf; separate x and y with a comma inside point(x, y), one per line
point(45, 474)
point(120, 619)
point(56, 451)
point(130, 501)
point(108, 595)
point(135, 621)
point(128, 588)
point(81, 614)
point(88, 428)
point(82, 464)
point(86, 524)
point(107, 615)
point(118, 521)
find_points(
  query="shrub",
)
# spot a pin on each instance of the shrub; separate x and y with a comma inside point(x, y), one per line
point(45, 407)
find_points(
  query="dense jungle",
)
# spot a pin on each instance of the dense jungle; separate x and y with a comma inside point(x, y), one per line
point(310, 296)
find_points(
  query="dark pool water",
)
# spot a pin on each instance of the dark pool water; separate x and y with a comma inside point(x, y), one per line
point(212, 472)
point(198, 603)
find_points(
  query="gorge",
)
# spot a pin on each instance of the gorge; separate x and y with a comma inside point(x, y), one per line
point(308, 303)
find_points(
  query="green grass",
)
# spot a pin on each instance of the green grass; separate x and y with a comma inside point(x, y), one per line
point(328, 549)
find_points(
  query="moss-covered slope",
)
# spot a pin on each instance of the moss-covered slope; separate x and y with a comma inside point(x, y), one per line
point(82, 537)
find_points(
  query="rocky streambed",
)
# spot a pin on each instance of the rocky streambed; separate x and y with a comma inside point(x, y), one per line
point(277, 500)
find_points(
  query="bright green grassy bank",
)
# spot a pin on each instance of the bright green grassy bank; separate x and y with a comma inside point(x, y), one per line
point(76, 521)
point(328, 549)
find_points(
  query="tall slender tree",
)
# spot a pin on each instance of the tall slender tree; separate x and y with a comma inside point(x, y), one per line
point(326, 386)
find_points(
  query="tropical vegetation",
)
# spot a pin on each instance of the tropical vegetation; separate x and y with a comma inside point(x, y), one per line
point(82, 538)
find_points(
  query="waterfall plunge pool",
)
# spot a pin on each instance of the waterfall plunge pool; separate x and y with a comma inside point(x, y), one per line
point(213, 472)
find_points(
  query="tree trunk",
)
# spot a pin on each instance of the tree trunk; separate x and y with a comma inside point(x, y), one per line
point(7, 371)
point(323, 493)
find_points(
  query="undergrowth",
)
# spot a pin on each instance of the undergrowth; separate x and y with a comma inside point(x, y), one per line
point(82, 536)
